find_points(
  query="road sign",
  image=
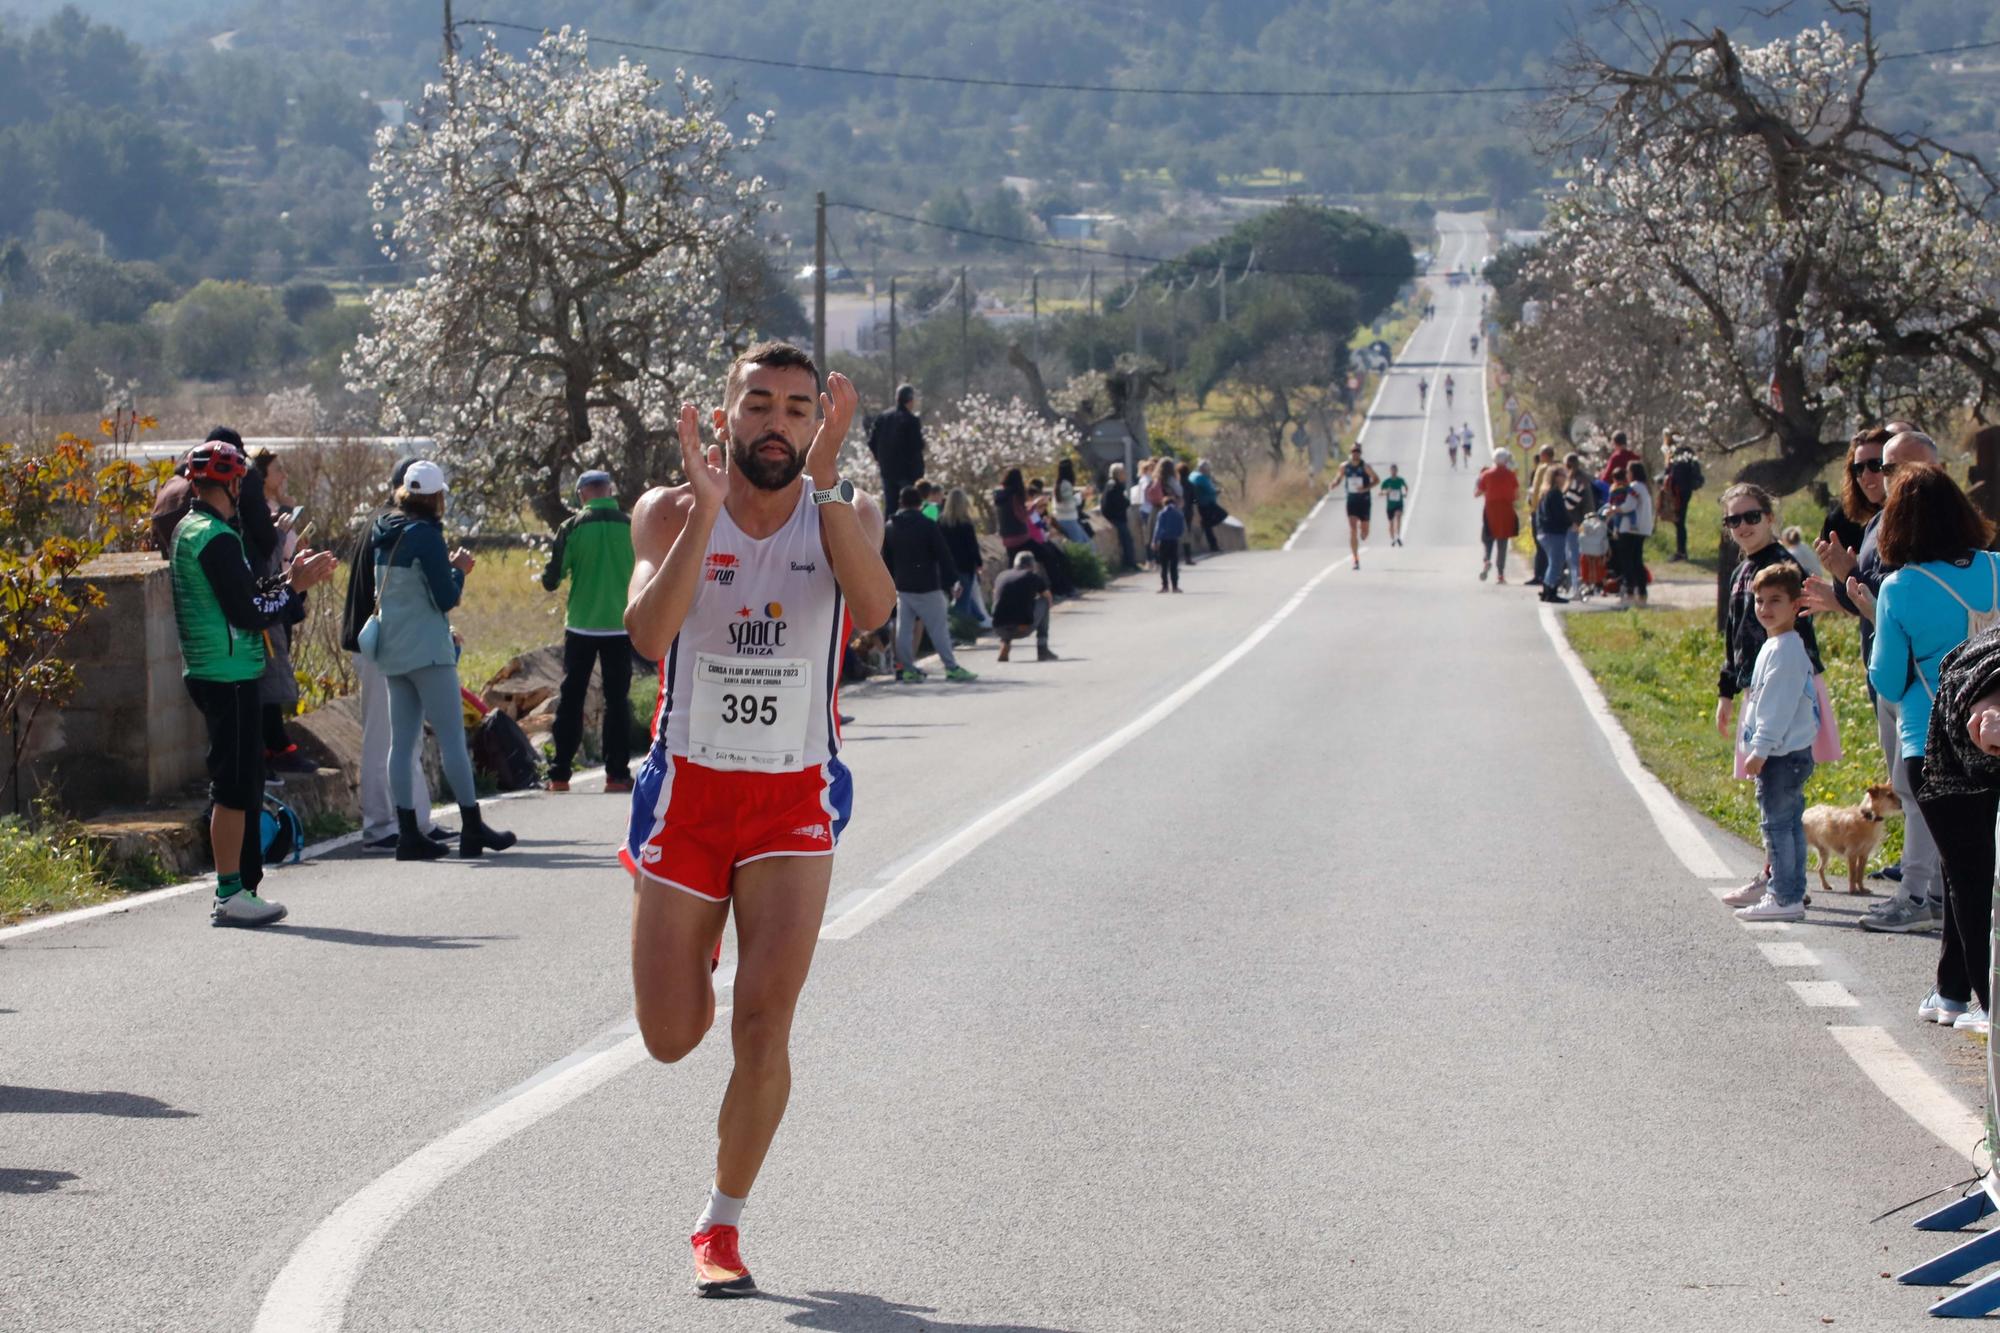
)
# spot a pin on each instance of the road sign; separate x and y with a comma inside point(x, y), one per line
point(1527, 438)
point(1513, 406)
point(1525, 421)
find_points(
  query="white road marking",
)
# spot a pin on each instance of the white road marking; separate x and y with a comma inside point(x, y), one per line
point(1903, 1081)
point(310, 1292)
point(1680, 832)
point(1767, 927)
point(1824, 995)
point(207, 881)
point(1306, 522)
point(1788, 955)
point(1430, 404)
point(873, 906)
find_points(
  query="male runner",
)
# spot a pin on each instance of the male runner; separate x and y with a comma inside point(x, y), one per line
point(1449, 386)
point(743, 582)
point(1423, 390)
point(1451, 446)
point(1358, 480)
point(1393, 491)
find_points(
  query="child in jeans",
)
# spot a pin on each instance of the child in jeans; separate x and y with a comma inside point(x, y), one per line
point(1775, 738)
point(1168, 529)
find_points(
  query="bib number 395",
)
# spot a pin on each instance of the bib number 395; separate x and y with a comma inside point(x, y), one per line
point(750, 712)
point(750, 709)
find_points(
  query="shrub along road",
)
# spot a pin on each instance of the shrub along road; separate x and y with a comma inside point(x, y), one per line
point(1357, 992)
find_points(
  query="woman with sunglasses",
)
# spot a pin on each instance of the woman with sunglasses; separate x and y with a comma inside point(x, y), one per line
point(1751, 518)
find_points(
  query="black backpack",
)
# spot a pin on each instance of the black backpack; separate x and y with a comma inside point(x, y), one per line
point(501, 749)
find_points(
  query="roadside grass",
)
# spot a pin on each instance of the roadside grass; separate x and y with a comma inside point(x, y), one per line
point(1657, 670)
point(505, 612)
point(54, 868)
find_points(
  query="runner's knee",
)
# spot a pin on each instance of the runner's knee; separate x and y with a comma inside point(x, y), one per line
point(670, 1038)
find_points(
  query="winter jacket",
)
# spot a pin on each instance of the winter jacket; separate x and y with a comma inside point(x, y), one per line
point(1953, 765)
point(419, 587)
point(1552, 515)
point(916, 553)
point(897, 442)
point(1499, 486)
point(1114, 503)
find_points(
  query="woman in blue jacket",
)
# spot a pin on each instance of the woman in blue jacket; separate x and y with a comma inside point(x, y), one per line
point(1944, 589)
point(416, 586)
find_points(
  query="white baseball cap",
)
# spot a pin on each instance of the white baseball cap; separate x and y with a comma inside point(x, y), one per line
point(424, 478)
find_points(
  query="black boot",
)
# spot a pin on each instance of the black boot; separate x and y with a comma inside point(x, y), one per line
point(411, 844)
point(475, 839)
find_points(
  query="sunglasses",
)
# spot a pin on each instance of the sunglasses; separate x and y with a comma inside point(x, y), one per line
point(1866, 465)
point(1743, 519)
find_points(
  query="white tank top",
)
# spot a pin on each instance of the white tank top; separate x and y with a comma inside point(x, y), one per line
point(749, 682)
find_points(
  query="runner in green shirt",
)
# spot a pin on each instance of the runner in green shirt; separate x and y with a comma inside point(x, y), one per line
point(1393, 490)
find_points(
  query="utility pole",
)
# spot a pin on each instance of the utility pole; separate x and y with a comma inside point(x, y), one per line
point(964, 333)
point(1035, 310)
point(1093, 291)
point(1222, 290)
point(1138, 311)
point(895, 380)
point(449, 62)
point(819, 286)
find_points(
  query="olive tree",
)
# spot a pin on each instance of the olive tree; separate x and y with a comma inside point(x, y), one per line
point(572, 221)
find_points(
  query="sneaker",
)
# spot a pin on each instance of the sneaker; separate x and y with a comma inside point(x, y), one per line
point(558, 784)
point(718, 1266)
point(1972, 1020)
point(1937, 1009)
point(1750, 894)
point(1768, 908)
point(1042, 654)
point(385, 843)
point(1893, 872)
point(288, 760)
point(244, 908)
point(1484, 570)
point(910, 676)
point(959, 675)
point(1899, 916)
point(614, 785)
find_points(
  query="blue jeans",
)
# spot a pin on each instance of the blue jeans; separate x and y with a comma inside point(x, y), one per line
point(1781, 807)
point(1072, 529)
point(1563, 557)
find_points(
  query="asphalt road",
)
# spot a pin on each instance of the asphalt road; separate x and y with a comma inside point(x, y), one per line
point(1357, 992)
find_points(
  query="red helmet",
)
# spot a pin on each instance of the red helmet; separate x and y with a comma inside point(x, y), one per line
point(217, 462)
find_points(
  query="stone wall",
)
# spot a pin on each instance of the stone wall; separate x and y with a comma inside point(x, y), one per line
point(130, 734)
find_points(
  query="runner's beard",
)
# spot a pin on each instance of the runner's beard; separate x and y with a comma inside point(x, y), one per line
point(761, 472)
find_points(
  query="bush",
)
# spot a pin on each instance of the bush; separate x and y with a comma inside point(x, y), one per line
point(1086, 566)
point(225, 330)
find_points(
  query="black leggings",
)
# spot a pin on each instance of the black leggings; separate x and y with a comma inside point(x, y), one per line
point(1170, 564)
point(1962, 827)
point(1628, 556)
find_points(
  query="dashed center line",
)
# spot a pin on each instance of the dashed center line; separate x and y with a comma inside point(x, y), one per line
point(1824, 995)
point(1788, 955)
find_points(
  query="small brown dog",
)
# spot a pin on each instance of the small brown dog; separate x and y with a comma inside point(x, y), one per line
point(1851, 832)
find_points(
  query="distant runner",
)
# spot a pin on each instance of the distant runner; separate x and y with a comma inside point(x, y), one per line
point(1451, 447)
point(742, 587)
point(1423, 390)
point(1449, 386)
point(1357, 480)
point(1394, 489)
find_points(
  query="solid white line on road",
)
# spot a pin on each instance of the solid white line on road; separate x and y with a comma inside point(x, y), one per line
point(873, 906)
point(1304, 523)
point(1824, 995)
point(1788, 955)
point(1903, 1081)
point(310, 1292)
point(1679, 831)
point(1424, 439)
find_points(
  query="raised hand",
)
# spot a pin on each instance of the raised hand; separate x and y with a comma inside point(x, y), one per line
point(310, 567)
point(836, 414)
point(1839, 561)
point(707, 475)
point(1818, 597)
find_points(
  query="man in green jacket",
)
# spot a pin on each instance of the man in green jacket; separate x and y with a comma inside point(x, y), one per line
point(222, 610)
point(593, 550)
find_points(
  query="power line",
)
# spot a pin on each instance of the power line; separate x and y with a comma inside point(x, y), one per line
point(1032, 85)
point(1029, 85)
point(1088, 253)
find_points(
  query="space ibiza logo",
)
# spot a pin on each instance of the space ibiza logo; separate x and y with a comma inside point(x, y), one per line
point(752, 635)
point(720, 567)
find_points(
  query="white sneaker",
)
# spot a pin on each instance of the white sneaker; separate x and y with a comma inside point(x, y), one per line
point(244, 908)
point(1750, 894)
point(1768, 908)
point(1972, 1020)
point(1937, 1009)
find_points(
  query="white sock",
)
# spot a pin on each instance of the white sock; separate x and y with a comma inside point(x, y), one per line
point(722, 1210)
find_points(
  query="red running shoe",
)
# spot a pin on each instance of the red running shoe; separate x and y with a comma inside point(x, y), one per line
point(718, 1268)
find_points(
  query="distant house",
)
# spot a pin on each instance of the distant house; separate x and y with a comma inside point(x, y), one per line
point(1079, 226)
